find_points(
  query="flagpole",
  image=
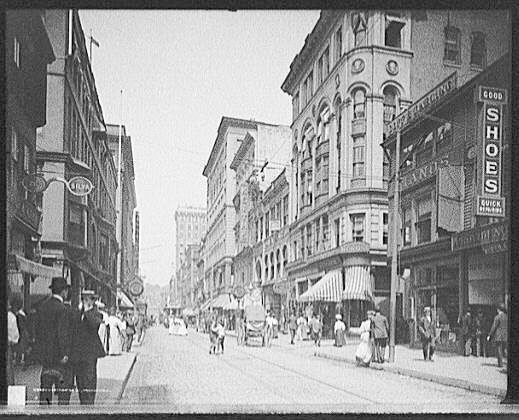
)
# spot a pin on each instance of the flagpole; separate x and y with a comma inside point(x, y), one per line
point(119, 204)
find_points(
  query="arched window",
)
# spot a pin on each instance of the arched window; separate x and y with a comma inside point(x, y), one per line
point(285, 258)
point(390, 103)
point(278, 263)
point(271, 265)
point(359, 104)
point(266, 268)
point(258, 271)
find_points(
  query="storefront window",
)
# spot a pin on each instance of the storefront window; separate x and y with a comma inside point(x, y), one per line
point(357, 224)
point(406, 226)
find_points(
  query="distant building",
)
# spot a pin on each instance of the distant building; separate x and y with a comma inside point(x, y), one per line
point(78, 234)
point(220, 241)
point(190, 223)
point(129, 222)
point(28, 51)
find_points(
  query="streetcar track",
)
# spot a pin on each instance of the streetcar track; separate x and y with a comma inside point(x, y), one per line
point(308, 377)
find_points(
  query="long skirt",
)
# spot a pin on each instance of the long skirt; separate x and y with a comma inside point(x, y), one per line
point(364, 352)
point(339, 338)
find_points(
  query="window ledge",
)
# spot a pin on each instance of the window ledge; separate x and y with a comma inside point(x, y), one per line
point(451, 64)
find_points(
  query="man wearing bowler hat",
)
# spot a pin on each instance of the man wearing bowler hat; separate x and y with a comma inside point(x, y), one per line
point(53, 344)
point(87, 347)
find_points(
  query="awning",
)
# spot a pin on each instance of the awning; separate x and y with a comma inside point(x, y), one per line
point(205, 306)
point(188, 312)
point(232, 305)
point(36, 269)
point(328, 289)
point(357, 281)
point(221, 300)
point(125, 302)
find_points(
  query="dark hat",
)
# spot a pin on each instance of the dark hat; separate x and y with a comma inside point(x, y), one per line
point(58, 284)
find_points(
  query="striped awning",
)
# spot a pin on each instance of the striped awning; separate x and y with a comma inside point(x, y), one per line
point(328, 289)
point(358, 285)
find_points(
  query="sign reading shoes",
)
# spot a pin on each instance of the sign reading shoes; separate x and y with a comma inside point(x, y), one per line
point(490, 202)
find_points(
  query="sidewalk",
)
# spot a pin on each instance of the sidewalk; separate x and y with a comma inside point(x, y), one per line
point(112, 375)
point(472, 373)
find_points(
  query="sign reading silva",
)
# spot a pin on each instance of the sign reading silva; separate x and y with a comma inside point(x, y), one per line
point(490, 202)
point(80, 186)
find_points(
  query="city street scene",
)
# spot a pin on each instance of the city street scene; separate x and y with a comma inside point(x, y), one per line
point(285, 211)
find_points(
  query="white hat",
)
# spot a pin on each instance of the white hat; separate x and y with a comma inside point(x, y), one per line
point(99, 304)
point(338, 316)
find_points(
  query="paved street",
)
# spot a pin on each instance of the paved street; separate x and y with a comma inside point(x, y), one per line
point(178, 371)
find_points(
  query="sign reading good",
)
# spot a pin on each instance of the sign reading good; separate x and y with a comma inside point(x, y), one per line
point(490, 202)
point(80, 186)
point(34, 183)
point(489, 237)
point(422, 105)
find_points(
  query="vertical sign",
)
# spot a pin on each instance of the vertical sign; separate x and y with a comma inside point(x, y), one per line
point(490, 202)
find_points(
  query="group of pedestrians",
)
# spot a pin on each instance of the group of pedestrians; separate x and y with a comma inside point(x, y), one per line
point(117, 331)
point(374, 333)
point(67, 345)
point(216, 335)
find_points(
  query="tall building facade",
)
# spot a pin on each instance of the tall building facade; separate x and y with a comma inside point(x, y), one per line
point(128, 215)
point(453, 228)
point(355, 72)
point(28, 52)
point(78, 233)
point(257, 162)
point(190, 225)
point(220, 241)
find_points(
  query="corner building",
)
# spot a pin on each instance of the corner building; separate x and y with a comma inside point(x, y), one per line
point(78, 233)
point(356, 71)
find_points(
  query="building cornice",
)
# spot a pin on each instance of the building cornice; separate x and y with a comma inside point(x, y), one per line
point(242, 151)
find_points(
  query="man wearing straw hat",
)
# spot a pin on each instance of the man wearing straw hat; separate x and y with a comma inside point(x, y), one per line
point(53, 343)
point(87, 347)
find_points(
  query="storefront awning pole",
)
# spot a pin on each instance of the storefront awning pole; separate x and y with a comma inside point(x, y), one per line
point(394, 252)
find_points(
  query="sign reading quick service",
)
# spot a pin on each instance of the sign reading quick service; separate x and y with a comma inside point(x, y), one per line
point(490, 202)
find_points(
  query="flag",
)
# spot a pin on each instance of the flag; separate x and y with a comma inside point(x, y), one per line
point(451, 181)
point(94, 41)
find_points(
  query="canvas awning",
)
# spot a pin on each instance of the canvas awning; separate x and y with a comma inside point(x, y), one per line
point(205, 306)
point(188, 312)
point(221, 300)
point(327, 289)
point(124, 300)
point(358, 285)
point(232, 305)
point(36, 269)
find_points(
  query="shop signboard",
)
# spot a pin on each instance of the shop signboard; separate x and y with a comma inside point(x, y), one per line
point(35, 183)
point(135, 287)
point(80, 186)
point(487, 237)
point(422, 105)
point(490, 201)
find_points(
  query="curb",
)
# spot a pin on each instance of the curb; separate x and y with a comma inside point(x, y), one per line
point(125, 381)
point(443, 380)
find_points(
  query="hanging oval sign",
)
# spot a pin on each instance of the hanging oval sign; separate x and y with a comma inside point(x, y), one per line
point(238, 292)
point(135, 288)
point(80, 186)
point(34, 183)
point(280, 288)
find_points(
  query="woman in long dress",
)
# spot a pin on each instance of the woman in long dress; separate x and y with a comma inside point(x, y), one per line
point(300, 327)
point(115, 343)
point(339, 330)
point(365, 350)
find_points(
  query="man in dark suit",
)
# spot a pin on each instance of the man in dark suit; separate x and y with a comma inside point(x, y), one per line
point(499, 333)
point(380, 335)
point(87, 348)
point(53, 343)
point(427, 331)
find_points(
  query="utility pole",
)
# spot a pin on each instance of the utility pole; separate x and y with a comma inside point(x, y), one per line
point(394, 252)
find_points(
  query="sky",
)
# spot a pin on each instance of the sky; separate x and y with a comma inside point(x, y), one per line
point(180, 72)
